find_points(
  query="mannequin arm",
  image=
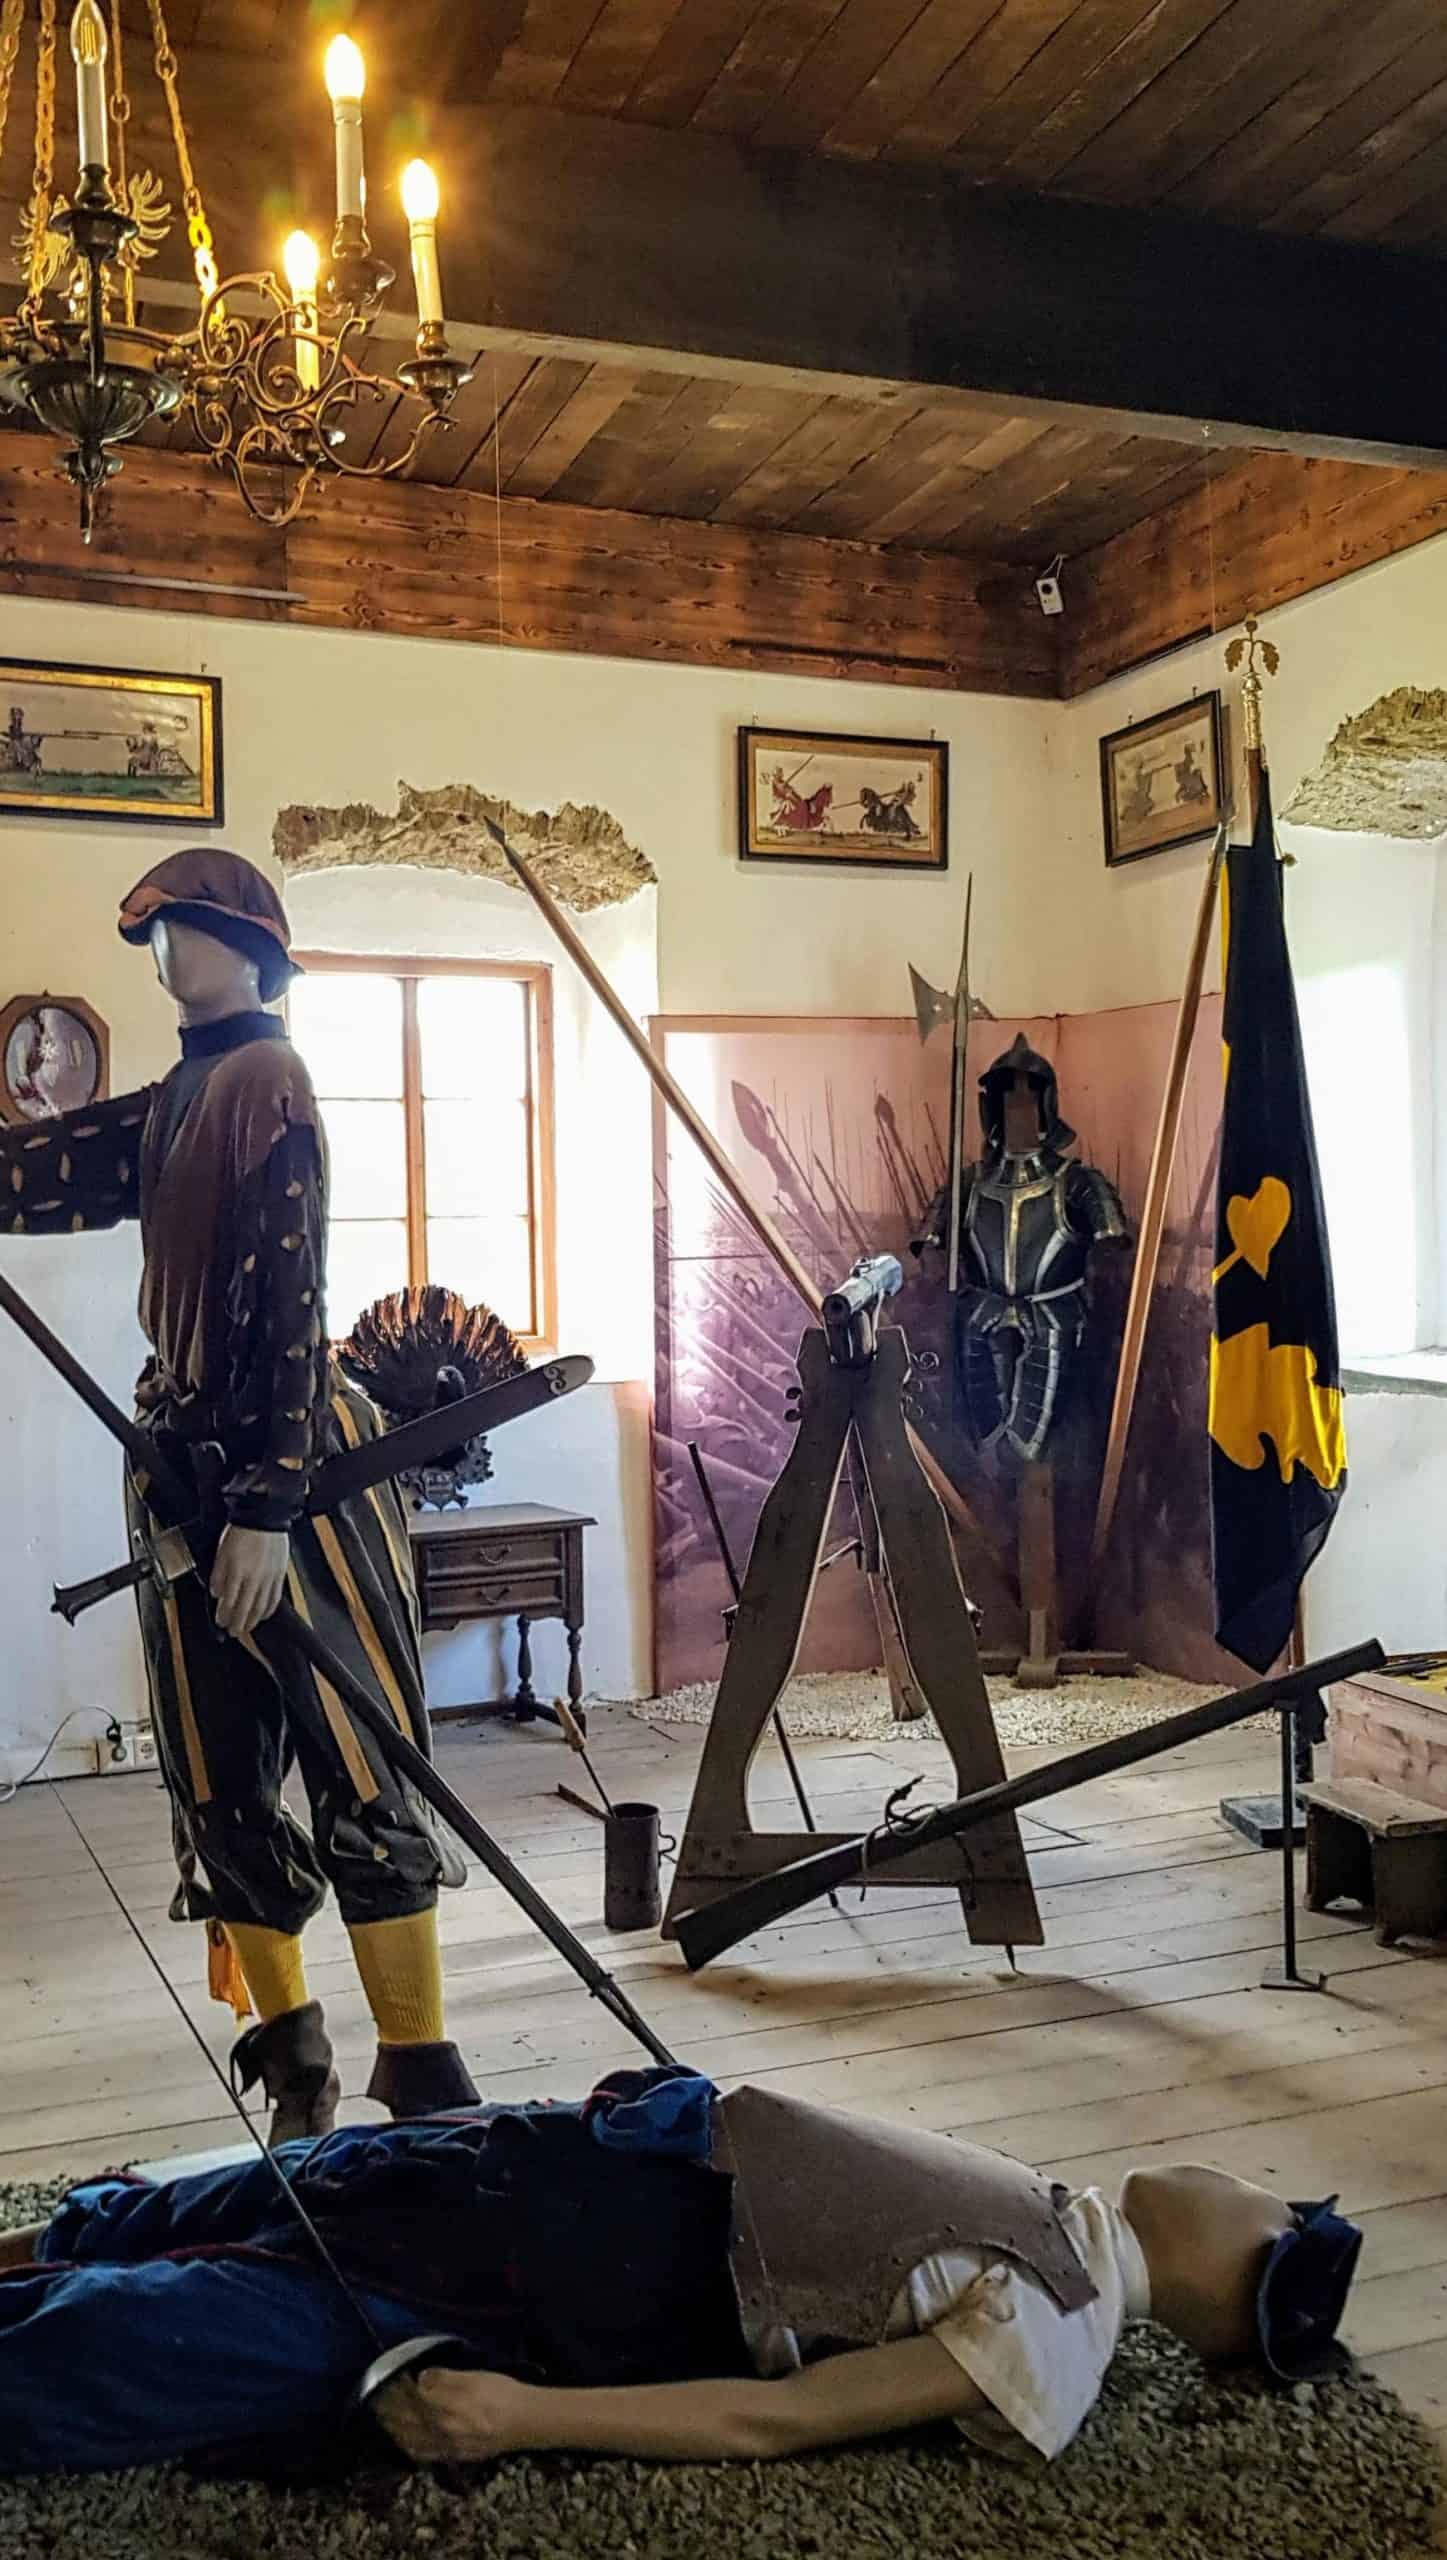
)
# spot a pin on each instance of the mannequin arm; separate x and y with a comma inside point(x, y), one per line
point(279, 1352)
point(474, 2417)
point(79, 1172)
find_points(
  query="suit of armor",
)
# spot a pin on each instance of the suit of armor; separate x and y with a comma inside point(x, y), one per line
point(1029, 1214)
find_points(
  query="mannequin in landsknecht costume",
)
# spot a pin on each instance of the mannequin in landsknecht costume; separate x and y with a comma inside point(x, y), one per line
point(224, 1164)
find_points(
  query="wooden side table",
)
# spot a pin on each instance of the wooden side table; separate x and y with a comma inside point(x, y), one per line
point(499, 1560)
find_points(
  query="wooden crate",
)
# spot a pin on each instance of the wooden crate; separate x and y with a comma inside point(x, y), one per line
point(1393, 1732)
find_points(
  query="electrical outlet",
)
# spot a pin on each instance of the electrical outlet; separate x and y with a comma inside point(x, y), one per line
point(125, 1747)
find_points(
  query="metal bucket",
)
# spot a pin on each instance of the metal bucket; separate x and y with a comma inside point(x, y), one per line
point(631, 1850)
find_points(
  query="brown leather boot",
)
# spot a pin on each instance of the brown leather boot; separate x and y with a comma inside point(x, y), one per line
point(421, 2080)
point(292, 2058)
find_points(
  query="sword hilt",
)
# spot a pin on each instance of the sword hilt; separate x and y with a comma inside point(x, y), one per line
point(72, 1599)
point(161, 1560)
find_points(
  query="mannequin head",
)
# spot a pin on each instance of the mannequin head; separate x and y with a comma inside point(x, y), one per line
point(1205, 2237)
point(205, 978)
point(217, 930)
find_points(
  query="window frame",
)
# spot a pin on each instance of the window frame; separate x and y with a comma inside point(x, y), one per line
point(536, 977)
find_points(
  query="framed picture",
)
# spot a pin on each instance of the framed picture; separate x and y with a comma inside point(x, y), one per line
point(1162, 782)
point(89, 742)
point(810, 798)
point(54, 1057)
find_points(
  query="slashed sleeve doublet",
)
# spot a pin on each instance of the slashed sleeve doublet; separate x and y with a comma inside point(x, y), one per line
point(275, 1333)
point(76, 1173)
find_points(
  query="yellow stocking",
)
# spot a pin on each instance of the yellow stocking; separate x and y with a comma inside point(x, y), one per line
point(271, 1963)
point(400, 1963)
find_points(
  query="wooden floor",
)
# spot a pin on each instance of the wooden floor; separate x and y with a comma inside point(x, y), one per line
point(1140, 2030)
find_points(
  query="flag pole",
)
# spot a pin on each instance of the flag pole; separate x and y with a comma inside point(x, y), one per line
point(1260, 1818)
point(1153, 1220)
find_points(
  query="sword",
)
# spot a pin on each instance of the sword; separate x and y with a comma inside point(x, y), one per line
point(286, 1634)
point(352, 1471)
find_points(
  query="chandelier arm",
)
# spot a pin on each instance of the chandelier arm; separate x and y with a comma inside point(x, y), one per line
point(42, 183)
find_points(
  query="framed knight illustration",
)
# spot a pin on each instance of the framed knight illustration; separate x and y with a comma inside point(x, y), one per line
point(100, 742)
point(1162, 780)
point(806, 796)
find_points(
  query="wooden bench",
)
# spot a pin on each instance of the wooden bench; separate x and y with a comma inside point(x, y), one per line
point(1367, 1844)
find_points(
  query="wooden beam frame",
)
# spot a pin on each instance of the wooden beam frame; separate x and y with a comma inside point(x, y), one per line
point(1259, 533)
point(447, 564)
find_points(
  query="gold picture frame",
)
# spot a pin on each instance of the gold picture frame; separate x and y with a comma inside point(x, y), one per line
point(109, 744)
point(811, 796)
point(1162, 780)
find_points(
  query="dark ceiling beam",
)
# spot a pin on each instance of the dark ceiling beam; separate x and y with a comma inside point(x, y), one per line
point(790, 264)
point(565, 233)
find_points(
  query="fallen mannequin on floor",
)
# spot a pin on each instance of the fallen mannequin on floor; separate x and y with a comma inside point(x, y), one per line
point(607, 2292)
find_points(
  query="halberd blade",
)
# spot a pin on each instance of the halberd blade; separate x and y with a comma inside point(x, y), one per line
point(931, 1005)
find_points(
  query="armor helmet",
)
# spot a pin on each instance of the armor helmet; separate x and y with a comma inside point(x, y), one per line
point(1021, 1060)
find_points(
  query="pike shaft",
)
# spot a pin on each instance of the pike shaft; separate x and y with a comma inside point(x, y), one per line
point(295, 2206)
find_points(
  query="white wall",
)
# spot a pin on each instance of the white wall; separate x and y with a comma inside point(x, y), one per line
point(1368, 924)
point(324, 717)
point(331, 718)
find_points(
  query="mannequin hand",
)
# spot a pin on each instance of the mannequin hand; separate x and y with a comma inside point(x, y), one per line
point(456, 2417)
point(249, 1577)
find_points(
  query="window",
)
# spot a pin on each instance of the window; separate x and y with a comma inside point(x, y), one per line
point(435, 1081)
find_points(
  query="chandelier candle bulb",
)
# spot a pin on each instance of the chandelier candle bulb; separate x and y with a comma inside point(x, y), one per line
point(302, 262)
point(346, 79)
point(420, 202)
point(88, 52)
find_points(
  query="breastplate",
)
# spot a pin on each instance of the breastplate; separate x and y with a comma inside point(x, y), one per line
point(1018, 1241)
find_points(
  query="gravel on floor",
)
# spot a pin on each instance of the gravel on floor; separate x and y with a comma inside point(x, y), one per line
point(1171, 2466)
point(854, 1706)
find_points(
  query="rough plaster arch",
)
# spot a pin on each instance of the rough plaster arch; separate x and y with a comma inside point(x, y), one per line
point(1385, 771)
point(581, 854)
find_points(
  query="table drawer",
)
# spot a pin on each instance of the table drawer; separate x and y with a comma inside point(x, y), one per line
point(476, 1590)
point(520, 1549)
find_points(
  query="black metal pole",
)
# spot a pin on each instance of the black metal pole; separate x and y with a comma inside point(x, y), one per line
point(1286, 1976)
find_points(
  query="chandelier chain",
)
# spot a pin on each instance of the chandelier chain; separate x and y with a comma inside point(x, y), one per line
point(43, 181)
point(12, 18)
point(120, 118)
point(198, 229)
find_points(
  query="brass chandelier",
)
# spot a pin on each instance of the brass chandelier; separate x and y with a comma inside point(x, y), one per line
point(267, 376)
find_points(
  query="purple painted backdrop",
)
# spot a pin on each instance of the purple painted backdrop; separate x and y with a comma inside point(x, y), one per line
point(839, 1127)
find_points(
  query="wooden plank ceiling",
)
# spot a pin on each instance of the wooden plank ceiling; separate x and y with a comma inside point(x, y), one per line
point(1308, 115)
point(1311, 115)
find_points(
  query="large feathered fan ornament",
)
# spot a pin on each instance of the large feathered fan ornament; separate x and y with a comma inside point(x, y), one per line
point(422, 1348)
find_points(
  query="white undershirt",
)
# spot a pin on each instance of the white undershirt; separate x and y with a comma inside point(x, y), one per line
point(1040, 2368)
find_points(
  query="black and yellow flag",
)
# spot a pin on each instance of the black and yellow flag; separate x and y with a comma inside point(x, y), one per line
point(1278, 1447)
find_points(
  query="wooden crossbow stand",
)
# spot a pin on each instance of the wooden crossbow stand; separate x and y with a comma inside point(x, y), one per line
point(852, 1376)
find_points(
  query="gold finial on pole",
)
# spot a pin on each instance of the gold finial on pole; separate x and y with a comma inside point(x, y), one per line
point(1247, 648)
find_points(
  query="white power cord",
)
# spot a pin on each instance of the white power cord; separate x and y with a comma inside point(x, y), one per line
point(8, 1794)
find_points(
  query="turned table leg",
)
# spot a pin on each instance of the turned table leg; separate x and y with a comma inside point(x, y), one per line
point(525, 1705)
